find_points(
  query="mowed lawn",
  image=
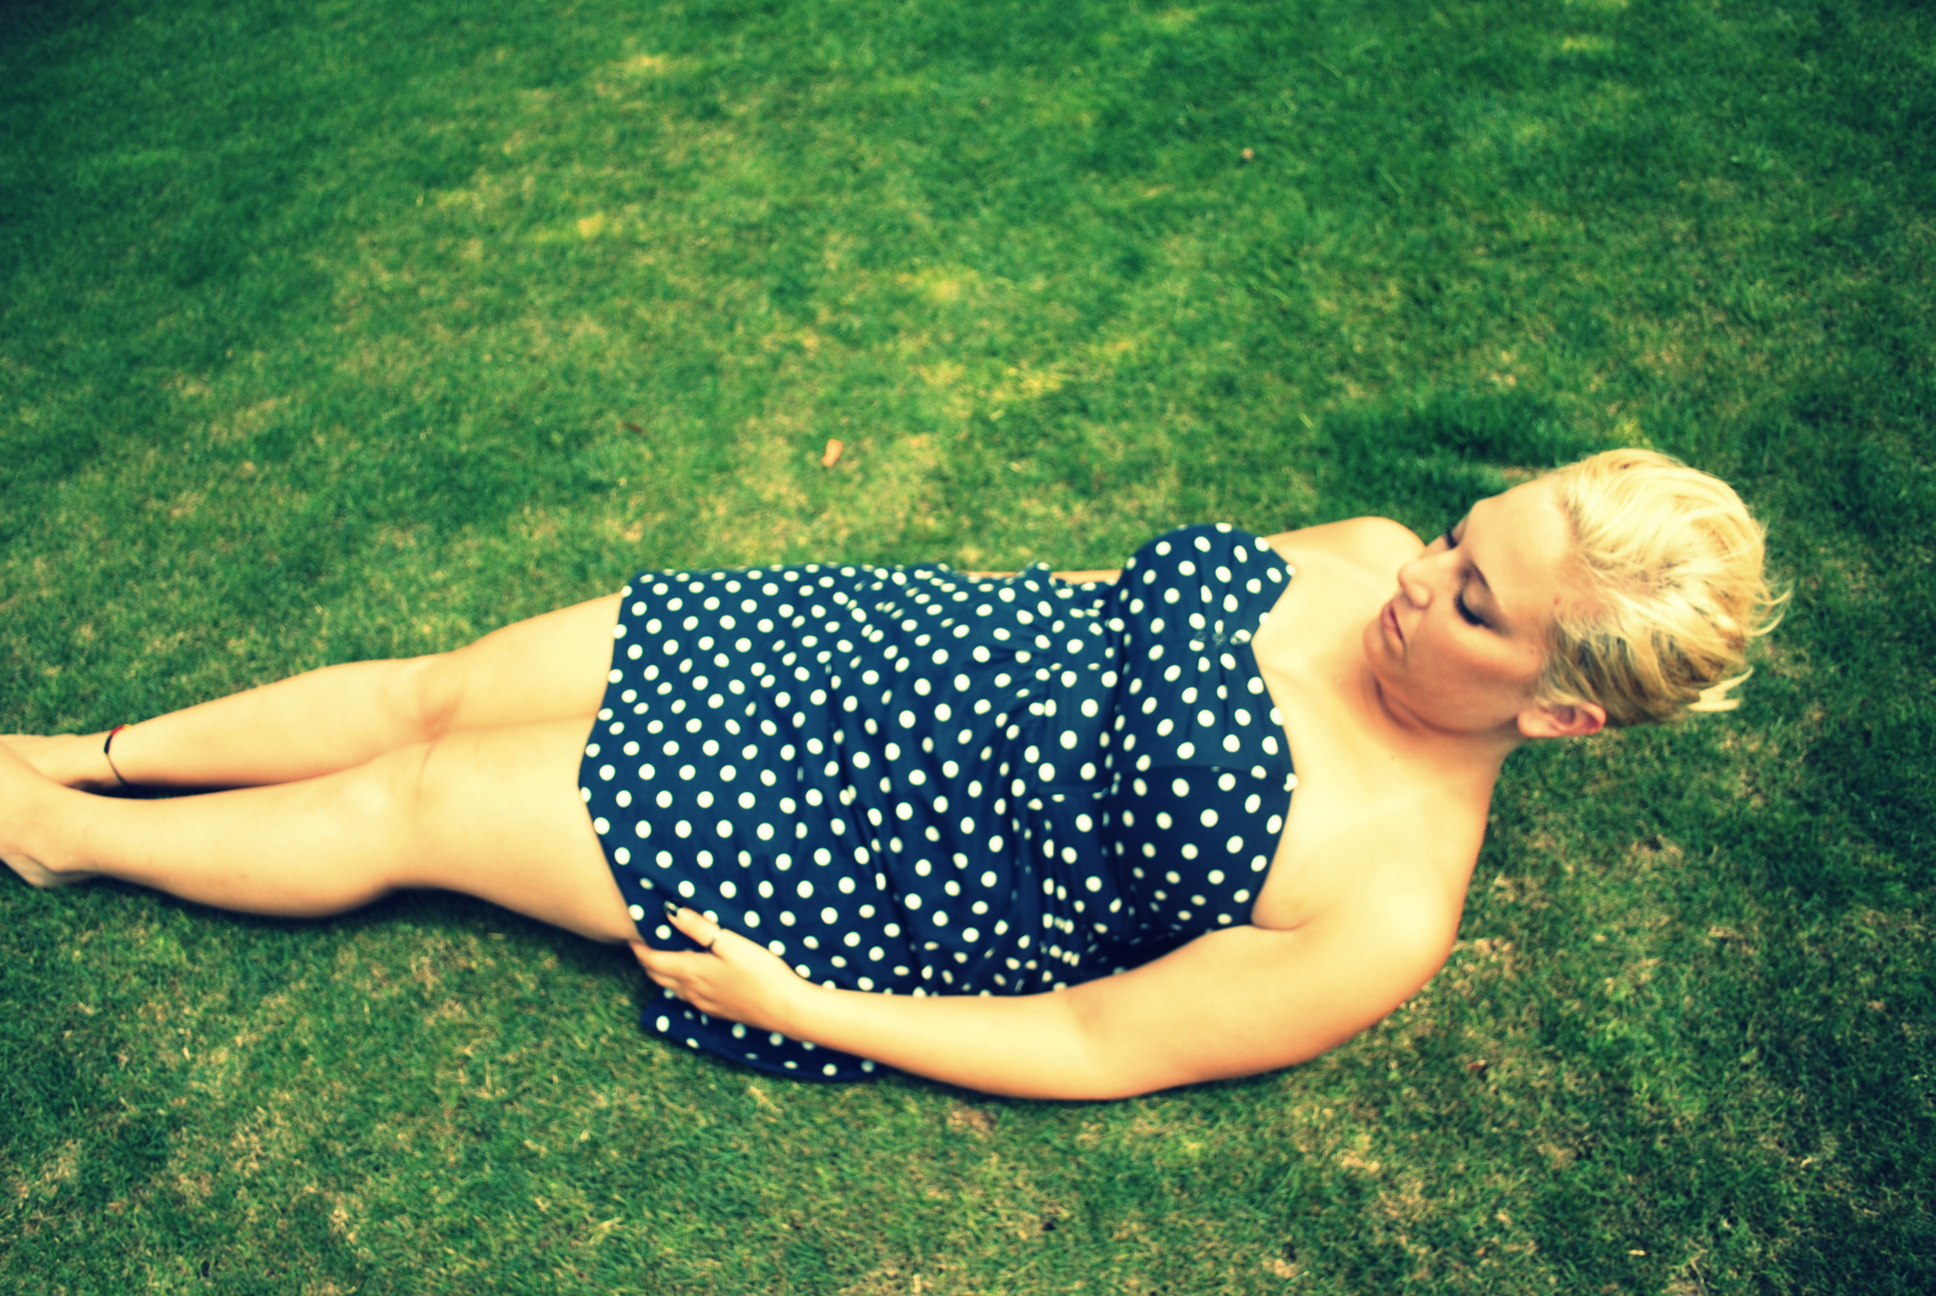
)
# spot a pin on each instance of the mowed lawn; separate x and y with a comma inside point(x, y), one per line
point(340, 329)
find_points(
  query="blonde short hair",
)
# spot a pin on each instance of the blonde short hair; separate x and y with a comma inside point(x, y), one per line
point(1673, 563)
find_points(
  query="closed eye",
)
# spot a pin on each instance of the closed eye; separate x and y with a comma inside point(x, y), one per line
point(1470, 617)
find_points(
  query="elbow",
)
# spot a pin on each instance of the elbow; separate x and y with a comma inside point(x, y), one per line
point(1111, 1075)
point(1075, 1082)
point(1089, 1069)
point(1105, 1088)
point(1112, 1086)
point(1138, 1081)
point(1134, 1072)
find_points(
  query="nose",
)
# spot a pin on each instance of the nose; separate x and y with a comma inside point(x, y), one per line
point(1414, 582)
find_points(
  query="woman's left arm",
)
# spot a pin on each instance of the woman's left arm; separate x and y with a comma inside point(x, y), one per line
point(1233, 1002)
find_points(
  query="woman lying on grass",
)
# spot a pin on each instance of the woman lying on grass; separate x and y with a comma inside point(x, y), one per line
point(1024, 834)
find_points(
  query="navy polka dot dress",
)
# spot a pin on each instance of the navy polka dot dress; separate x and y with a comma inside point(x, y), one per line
point(908, 781)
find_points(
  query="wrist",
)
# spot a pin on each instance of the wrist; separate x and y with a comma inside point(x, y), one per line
point(804, 1009)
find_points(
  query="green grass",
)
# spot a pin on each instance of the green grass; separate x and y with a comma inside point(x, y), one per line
point(338, 330)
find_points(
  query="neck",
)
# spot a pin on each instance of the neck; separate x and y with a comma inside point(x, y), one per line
point(1479, 750)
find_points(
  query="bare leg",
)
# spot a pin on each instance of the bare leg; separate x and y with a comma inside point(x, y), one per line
point(493, 813)
point(551, 667)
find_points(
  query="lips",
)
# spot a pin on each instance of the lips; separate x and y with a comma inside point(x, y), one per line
point(1388, 616)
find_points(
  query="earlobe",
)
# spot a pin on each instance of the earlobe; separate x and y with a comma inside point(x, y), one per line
point(1571, 720)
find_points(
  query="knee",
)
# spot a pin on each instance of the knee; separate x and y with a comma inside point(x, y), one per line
point(399, 790)
point(430, 693)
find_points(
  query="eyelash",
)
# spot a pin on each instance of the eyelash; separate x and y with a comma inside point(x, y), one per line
point(1458, 599)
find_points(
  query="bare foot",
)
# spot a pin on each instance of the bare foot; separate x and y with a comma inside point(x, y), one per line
point(71, 760)
point(28, 803)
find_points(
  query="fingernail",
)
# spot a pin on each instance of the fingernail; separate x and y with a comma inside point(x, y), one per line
point(672, 910)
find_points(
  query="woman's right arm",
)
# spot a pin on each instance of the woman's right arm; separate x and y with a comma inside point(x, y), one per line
point(1234, 1002)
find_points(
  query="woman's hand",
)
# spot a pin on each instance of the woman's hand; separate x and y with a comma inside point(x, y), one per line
point(733, 977)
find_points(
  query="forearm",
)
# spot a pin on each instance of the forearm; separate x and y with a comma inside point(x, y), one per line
point(1166, 1023)
point(1032, 1046)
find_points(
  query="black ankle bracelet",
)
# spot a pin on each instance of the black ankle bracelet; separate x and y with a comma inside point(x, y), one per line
point(110, 755)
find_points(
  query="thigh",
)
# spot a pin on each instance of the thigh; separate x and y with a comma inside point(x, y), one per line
point(551, 667)
point(496, 813)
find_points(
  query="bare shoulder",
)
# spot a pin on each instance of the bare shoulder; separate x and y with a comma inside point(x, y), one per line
point(1414, 926)
point(1396, 923)
point(1399, 937)
point(1392, 932)
point(1370, 542)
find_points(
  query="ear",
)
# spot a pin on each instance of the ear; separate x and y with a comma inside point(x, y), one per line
point(1569, 720)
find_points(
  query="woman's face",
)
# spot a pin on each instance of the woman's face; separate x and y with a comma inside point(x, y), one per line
point(1460, 646)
